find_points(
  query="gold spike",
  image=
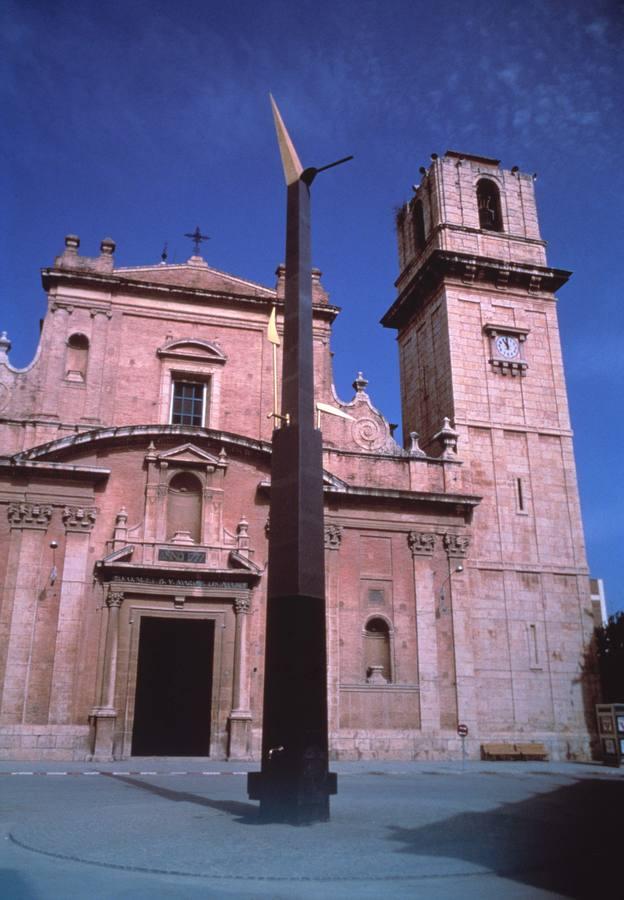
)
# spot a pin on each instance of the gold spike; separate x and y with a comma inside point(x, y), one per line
point(290, 161)
point(272, 334)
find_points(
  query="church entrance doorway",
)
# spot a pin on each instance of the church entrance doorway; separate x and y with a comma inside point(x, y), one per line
point(174, 687)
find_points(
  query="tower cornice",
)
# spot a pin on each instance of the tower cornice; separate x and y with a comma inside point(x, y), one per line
point(470, 269)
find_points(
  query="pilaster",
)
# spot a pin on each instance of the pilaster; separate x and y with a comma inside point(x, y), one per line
point(29, 523)
point(240, 718)
point(422, 547)
point(457, 547)
point(104, 716)
point(333, 542)
point(79, 522)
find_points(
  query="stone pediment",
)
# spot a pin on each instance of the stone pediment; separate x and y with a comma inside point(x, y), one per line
point(188, 454)
point(195, 274)
point(192, 348)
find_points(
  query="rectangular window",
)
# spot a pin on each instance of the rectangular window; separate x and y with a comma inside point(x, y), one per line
point(188, 403)
point(521, 497)
point(534, 661)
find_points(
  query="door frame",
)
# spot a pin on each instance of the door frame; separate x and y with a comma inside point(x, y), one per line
point(128, 657)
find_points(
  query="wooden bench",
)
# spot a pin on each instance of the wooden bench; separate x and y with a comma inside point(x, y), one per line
point(533, 750)
point(499, 751)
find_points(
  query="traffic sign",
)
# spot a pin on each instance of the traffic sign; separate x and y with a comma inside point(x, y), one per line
point(462, 730)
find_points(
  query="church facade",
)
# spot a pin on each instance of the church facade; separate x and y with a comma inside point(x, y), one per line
point(135, 475)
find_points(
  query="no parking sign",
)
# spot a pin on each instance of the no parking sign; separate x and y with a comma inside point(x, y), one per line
point(462, 731)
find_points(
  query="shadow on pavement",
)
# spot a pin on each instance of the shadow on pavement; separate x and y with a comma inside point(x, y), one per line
point(566, 840)
point(14, 885)
point(247, 813)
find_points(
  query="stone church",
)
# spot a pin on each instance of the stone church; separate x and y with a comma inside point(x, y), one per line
point(135, 474)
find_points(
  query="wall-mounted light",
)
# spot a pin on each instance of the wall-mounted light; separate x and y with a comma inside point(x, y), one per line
point(442, 608)
point(53, 572)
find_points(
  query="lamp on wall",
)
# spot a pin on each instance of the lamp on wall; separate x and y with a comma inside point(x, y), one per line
point(53, 571)
point(442, 608)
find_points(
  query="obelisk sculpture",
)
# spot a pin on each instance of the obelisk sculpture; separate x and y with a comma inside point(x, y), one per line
point(294, 784)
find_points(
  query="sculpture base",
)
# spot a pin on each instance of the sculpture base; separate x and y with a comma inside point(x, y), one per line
point(289, 799)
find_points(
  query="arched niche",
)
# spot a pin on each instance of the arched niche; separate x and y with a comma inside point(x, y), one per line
point(377, 651)
point(184, 508)
point(489, 204)
point(77, 357)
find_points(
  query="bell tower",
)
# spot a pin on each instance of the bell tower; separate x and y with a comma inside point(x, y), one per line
point(479, 342)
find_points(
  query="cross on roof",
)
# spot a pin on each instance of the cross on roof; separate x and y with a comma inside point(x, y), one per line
point(197, 237)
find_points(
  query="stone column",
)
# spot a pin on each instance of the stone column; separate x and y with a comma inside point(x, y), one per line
point(456, 546)
point(29, 523)
point(240, 717)
point(104, 716)
point(422, 546)
point(96, 364)
point(55, 369)
point(79, 522)
point(333, 540)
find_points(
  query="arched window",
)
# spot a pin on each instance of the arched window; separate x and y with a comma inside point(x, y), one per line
point(377, 651)
point(488, 200)
point(77, 357)
point(418, 224)
point(184, 507)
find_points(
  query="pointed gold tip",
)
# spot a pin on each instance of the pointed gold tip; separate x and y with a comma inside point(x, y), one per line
point(290, 161)
point(272, 334)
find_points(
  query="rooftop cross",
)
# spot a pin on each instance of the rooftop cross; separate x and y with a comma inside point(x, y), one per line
point(197, 237)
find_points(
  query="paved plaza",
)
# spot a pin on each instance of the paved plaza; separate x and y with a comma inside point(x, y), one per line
point(185, 829)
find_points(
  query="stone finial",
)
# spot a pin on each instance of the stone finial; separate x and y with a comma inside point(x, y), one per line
point(360, 383)
point(319, 294)
point(72, 242)
point(280, 286)
point(414, 447)
point(242, 535)
point(122, 517)
point(5, 343)
point(447, 438)
point(151, 451)
point(107, 247)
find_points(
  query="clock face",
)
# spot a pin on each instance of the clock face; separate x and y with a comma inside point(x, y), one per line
point(507, 346)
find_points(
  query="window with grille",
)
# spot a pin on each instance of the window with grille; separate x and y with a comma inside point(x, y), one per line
point(188, 403)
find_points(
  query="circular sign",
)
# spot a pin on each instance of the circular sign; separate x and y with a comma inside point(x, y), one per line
point(462, 730)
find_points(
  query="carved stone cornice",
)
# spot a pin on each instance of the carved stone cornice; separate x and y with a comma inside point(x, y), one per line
point(421, 543)
point(114, 598)
point(79, 518)
point(29, 515)
point(456, 545)
point(419, 281)
point(242, 605)
point(333, 537)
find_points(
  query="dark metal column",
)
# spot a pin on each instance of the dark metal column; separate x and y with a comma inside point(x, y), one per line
point(294, 784)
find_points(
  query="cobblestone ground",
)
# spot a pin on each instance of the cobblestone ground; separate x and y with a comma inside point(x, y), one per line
point(185, 828)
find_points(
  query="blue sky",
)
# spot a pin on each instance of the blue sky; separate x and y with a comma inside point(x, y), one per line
point(142, 120)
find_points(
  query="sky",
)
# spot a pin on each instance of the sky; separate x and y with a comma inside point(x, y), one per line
point(141, 120)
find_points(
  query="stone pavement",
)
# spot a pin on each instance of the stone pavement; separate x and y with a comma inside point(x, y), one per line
point(185, 829)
